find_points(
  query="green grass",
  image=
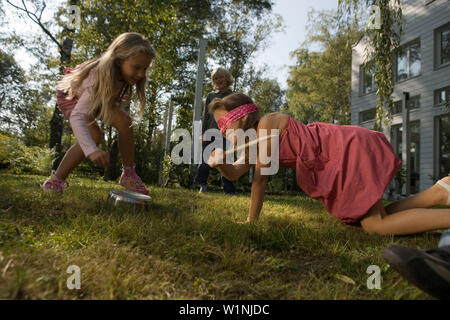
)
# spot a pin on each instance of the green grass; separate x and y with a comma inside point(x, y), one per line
point(187, 246)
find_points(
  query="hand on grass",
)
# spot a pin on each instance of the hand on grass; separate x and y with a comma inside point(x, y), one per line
point(244, 222)
point(100, 157)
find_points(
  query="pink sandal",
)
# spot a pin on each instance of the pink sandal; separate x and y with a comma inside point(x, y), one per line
point(55, 184)
point(131, 181)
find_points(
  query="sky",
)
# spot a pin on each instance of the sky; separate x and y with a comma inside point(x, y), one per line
point(276, 56)
point(294, 13)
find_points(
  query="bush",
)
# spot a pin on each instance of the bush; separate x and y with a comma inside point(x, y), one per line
point(17, 158)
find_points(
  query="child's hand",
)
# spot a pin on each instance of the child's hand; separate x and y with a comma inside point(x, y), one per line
point(216, 158)
point(100, 157)
point(246, 221)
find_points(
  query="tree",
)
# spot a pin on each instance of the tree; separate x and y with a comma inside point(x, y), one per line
point(173, 27)
point(34, 12)
point(12, 88)
point(238, 36)
point(382, 41)
point(319, 86)
point(268, 94)
point(22, 108)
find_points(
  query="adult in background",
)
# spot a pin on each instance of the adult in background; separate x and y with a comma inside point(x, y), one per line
point(222, 81)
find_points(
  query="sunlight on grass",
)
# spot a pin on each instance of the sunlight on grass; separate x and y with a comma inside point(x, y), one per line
point(186, 246)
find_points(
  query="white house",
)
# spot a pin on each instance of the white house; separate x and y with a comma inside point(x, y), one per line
point(422, 69)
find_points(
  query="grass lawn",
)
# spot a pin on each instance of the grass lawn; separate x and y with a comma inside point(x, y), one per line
point(187, 246)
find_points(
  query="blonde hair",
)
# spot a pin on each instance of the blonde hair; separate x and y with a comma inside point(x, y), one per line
point(104, 94)
point(223, 72)
point(233, 101)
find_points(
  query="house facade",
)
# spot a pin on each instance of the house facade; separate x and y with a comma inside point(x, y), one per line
point(421, 75)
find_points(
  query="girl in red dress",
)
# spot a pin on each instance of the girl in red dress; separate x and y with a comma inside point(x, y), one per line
point(346, 168)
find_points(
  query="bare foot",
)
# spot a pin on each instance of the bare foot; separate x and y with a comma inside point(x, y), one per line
point(443, 192)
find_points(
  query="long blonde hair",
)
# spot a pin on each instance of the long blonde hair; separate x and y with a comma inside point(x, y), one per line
point(104, 93)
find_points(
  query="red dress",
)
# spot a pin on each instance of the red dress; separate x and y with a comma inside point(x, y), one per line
point(347, 168)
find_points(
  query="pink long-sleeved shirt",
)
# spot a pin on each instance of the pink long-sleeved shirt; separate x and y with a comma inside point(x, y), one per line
point(79, 115)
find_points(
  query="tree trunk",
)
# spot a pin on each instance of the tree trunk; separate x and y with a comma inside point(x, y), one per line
point(57, 121)
point(56, 131)
point(112, 172)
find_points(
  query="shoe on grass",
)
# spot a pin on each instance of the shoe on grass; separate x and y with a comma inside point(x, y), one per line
point(131, 181)
point(55, 184)
point(203, 188)
point(429, 270)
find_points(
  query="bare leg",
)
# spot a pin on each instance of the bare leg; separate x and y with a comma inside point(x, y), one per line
point(410, 221)
point(122, 122)
point(434, 196)
point(75, 155)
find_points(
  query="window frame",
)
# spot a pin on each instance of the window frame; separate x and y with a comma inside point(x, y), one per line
point(362, 73)
point(366, 111)
point(408, 57)
point(436, 95)
point(437, 147)
point(437, 46)
point(416, 97)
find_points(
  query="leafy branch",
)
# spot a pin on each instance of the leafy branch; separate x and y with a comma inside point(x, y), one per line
point(36, 17)
point(383, 41)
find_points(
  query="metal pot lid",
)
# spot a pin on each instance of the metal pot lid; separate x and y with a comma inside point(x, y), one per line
point(129, 197)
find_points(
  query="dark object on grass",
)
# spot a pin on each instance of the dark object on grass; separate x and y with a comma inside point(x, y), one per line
point(429, 270)
point(128, 199)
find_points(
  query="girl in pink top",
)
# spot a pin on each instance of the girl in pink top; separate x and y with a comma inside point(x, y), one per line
point(346, 168)
point(98, 89)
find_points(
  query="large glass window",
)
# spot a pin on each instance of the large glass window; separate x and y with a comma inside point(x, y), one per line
point(367, 115)
point(396, 140)
point(413, 103)
point(414, 60)
point(402, 64)
point(368, 80)
point(442, 45)
point(408, 61)
point(444, 146)
point(445, 46)
point(442, 96)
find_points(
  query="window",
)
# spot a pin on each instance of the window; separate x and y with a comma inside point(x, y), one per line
point(396, 140)
point(408, 61)
point(368, 77)
point(398, 108)
point(367, 115)
point(442, 46)
point(444, 146)
point(441, 96)
point(413, 103)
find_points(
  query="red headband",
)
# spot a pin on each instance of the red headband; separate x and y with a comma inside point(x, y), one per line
point(235, 115)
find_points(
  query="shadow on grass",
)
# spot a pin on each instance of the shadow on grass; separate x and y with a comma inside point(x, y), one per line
point(196, 238)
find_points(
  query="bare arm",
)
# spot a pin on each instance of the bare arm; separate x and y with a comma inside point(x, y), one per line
point(230, 171)
point(233, 171)
point(257, 196)
point(259, 180)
